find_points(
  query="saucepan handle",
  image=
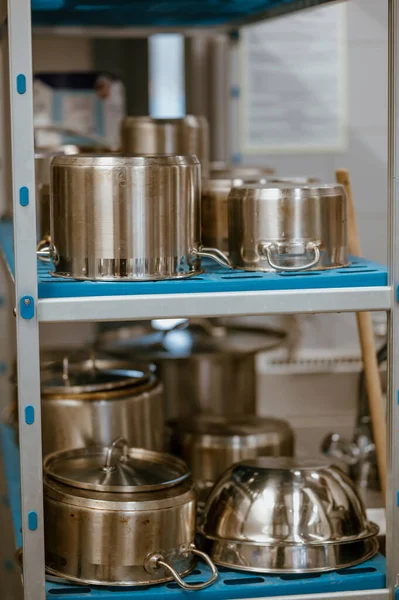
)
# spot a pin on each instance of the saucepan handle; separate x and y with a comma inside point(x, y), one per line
point(212, 253)
point(271, 249)
point(46, 251)
point(158, 561)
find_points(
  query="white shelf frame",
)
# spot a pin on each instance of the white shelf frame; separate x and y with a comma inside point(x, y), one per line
point(122, 308)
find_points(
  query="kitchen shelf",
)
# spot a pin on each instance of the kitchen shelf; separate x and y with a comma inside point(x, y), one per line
point(161, 13)
point(231, 584)
point(361, 286)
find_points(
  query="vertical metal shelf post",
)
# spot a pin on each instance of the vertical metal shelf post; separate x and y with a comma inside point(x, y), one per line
point(24, 208)
point(392, 514)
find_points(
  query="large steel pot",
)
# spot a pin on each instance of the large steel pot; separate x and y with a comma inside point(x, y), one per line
point(286, 228)
point(120, 516)
point(148, 136)
point(287, 516)
point(210, 445)
point(118, 218)
point(93, 400)
point(205, 368)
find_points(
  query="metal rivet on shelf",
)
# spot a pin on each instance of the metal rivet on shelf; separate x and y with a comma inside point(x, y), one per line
point(27, 307)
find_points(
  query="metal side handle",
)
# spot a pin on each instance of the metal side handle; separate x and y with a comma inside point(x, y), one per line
point(46, 251)
point(158, 561)
point(213, 253)
point(268, 249)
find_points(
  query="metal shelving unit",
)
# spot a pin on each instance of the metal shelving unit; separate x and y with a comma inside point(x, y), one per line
point(39, 298)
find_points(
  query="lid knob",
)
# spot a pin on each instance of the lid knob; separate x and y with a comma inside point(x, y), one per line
point(120, 442)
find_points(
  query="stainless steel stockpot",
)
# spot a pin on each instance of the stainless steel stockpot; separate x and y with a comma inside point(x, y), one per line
point(286, 228)
point(119, 516)
point(280, 515)
point(205, 368)
point(211, 444)
point(93, 399)
point(187, 135)
point(117, 218)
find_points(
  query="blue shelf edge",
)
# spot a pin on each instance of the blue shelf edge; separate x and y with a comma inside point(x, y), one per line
point(230, 585)
point(161, 13)
point(360, 273)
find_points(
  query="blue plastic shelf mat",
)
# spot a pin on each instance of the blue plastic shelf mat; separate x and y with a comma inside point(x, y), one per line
point(159, 12)
point(231, 584)
point(360, 273)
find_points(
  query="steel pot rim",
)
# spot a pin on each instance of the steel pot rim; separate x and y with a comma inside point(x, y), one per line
point(372, 532)
point(118, 161)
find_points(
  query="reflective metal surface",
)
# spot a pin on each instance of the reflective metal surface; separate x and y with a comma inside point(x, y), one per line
point(204, 368)
point(282, 515)
point(246, 172)
point(188, 135)
point(92, 401)
point(122, 539)
point(134, 218)
point(288, 228)
point(210, 444)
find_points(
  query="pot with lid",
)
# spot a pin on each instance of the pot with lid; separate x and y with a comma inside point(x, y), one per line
point(280, 515)
point(288, 228)
point(205, 368)
point(211, 444)
point(188, 135)
point(92, 399)
point(120, 516)
point(126, 218)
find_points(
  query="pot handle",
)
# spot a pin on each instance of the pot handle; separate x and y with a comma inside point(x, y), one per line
point(267, 250)
point(46, 251)
point(212, 253)
point(157, 561)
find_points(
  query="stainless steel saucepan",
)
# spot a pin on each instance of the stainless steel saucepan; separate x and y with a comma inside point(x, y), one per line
point(116, 218)
point(211, 444)
point(120, 516)
point(288, 228)
point(187, 135)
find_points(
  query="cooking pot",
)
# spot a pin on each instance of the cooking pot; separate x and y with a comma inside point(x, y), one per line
point(293, 228)
point(186, 136)
point(280, 515)
point(210, 444)
point(118, 218)
point(93, 399)
point(205, 368)
point(120, 516)
point(247, 172)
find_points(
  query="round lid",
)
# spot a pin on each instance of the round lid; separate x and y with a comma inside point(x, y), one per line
point(116, 468)
point(189, 338)
point(83, 374)
point(286, 190)
point(234, 426)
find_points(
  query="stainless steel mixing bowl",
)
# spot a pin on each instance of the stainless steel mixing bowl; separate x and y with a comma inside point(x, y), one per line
point(280, 515)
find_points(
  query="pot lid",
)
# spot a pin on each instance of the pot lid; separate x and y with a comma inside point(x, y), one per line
point(190, 337)
point(90, 373)
point(116, 468)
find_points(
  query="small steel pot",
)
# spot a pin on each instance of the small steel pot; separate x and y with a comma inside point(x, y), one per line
point(205, 368)
point(115, 218)
point(288, 228)
point(92, 400)
point(210, 445)
point(286, 516)
point(186, 136)
point(120, 516)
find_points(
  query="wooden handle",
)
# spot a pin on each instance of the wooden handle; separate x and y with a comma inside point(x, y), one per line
point(367, 343)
